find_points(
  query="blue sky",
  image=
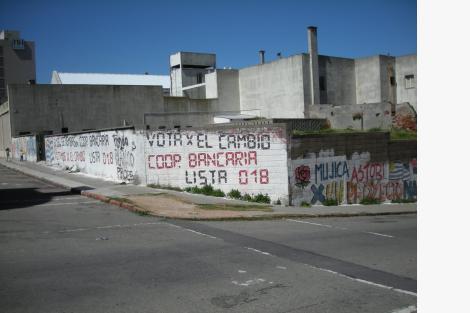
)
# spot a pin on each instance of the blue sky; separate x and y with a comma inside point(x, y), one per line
point(138, 36)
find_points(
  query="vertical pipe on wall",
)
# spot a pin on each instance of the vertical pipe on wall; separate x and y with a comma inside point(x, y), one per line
point(261, 57)
point(313, 57)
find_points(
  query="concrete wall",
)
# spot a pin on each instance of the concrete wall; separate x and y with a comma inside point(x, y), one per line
point(275, 88)
point(224, 85)
point(352, 166)
point(368, 82)
point(387, 71)
point(115, 154)
point(406, 65)
point(24, 148)
point(40, 108)
point(375, 143)
point(357, 116)
point(340, 80)
point(250, 159)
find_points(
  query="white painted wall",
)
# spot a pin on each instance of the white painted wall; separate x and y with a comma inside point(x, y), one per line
point(24, 148)
point(252, 160)
point(114, 154)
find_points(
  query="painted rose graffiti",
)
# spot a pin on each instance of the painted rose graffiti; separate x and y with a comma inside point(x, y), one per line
point(302, 176)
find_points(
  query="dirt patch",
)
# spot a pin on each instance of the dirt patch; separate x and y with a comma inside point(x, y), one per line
point(170, 206)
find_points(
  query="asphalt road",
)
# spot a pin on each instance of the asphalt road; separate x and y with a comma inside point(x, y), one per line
point(61, 252)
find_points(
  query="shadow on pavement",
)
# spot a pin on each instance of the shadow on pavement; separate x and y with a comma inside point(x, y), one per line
point(25, 197)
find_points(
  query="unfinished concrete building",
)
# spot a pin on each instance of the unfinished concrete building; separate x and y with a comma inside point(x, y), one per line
point(350, 93)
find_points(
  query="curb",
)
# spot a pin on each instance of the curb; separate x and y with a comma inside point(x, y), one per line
point(83, 190)
point(137, 209)
point(122, 204)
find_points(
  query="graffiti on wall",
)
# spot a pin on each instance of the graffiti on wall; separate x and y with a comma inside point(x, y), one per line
point(24, 148)
point(251, 160)
point(109, 154)
point(318, 179)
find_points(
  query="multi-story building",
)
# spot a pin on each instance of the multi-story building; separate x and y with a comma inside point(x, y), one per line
point(17, 61)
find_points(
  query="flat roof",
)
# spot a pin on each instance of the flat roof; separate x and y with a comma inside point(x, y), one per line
point(110, 79)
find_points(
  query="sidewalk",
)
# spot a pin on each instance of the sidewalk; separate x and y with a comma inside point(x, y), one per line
point(183, 205)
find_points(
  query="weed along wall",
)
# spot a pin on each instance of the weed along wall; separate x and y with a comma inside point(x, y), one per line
point(24, 148)
point(249, 159)
point(115, 154)
point(357, 177)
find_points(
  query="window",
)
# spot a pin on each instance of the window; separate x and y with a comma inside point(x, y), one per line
point(161, 127)
point(322, 83)
point(393, 82)
point(409, 81)
point(65, 130)
point(199, 78)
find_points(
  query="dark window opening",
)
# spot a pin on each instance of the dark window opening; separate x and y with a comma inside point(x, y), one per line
point(24, 133)
point(147, 126)
point(65, 130)
point(322, 83)
point(188, 126)
point(393, 82)
point(177, 127)
point(199, 78)
point(161, 127)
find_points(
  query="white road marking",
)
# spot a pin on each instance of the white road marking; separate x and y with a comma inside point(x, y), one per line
point(73, 230)
point(341, 228)
point(259, 251)
point(67, 203)
point(281, 267)
point(249, 282)
point(366, 281)
point(411, 308)
point(241, 271)
point(311, 223)
point(103, 227)
point(378, 234)
point(202, 234)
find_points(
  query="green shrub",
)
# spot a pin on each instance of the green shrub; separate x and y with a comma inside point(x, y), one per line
point(247, 197)
point(369, 201)
point(305, 204)
point(196, 190)
point(218, 193)
point(235, 194)
point(168, 187)
point(207, 189)
point(260, 198)
point(330, 202)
